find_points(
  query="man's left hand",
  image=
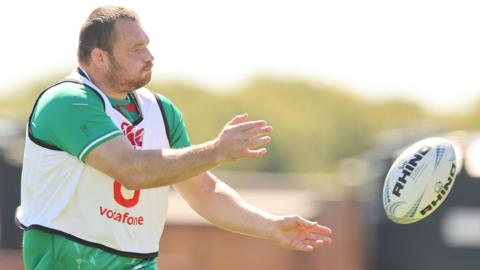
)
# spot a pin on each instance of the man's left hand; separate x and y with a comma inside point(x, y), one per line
point(297, 233)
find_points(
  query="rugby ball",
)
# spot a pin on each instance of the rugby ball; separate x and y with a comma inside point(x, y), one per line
point(419, 180)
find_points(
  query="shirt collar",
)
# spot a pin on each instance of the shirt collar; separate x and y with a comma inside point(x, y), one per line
point(83, 73)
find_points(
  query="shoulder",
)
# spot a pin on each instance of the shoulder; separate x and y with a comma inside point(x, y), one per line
point(166, 103)
point(70, 93)
point(71, 116)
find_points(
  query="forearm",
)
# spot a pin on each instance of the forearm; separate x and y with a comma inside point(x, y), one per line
point(169, 166)
point(224, 207)
point(154, 168)
point(227, 210)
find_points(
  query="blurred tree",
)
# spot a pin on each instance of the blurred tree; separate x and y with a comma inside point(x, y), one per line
point(315, 125)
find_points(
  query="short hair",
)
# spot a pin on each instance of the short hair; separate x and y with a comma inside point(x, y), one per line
point(97, 30)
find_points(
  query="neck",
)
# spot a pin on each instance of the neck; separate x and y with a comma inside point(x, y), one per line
point(104, 84)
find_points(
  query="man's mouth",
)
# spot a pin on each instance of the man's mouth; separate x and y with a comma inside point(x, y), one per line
point(148, 67)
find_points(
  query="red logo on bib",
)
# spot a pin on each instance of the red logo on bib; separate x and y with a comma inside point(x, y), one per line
point(135, 136)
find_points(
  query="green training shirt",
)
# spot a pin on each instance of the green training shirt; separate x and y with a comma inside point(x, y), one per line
point(69, 117)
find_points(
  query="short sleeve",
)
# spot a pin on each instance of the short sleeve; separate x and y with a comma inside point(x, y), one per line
point(177, 131)
point(72, 118)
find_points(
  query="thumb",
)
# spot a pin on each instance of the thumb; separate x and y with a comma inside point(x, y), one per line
point(307, 223)
point(238, 119)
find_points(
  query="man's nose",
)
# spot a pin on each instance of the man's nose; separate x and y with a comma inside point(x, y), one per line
point(150, 56)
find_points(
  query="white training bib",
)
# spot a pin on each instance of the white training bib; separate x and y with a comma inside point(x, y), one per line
point(61, 194)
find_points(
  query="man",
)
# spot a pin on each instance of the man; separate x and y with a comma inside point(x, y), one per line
point(102, 151)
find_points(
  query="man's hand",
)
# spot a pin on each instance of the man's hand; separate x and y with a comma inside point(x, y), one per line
point(154, 168)
point(297, 233)
point(238, 139)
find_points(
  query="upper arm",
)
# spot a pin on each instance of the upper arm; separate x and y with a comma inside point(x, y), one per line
point(73, 119)
point(115, 158)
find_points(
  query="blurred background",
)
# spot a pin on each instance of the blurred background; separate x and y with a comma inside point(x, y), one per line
point(346, 85)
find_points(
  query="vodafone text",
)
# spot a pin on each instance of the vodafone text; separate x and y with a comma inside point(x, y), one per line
point(121, 217)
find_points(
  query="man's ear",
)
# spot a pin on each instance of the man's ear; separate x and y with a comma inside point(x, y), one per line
point(98, 57)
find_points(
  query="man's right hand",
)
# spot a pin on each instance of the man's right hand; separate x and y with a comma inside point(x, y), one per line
point(239, 139)
point(153, 168)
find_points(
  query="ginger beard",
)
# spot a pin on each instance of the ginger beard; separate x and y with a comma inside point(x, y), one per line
point(125, 80)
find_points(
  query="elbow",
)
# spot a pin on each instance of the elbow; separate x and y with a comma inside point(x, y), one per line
point(127, 183)
point(131, 179)
point(130, 185)
point(129, 172)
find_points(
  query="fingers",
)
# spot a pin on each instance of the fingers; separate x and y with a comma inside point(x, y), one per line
point(318, 237)
point(237, 119)
point(320, 229)
point(301, 221)
point(316, 243)
point(313, 226)
point(256, 152)
point(244, 126)
point(254, 142)
point(240, 138)
point(256, 131)
point(297, 233)
point(254, 138)
point(251, 134)
point(306, 246)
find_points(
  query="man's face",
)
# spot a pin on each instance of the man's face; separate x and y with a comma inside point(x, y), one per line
point(130, 62)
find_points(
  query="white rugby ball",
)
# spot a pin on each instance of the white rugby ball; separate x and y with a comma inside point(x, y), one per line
point(419, 180)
